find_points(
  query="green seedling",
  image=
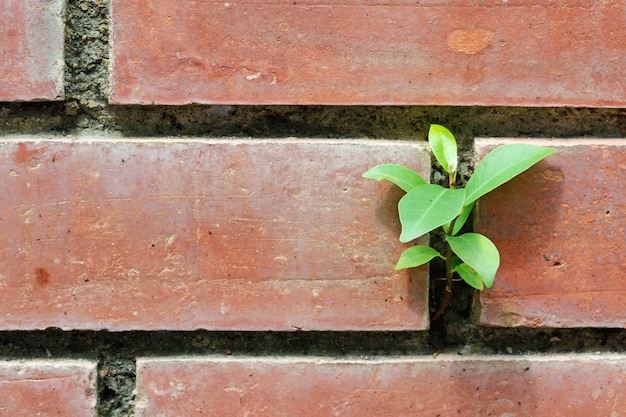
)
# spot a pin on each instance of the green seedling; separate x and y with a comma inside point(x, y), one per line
point(425, 207)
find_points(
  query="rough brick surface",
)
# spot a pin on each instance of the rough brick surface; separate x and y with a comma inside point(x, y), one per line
point(31, 50)
point(462, 52)
point(48, 388)
point(560, 230)
point(171, 234)
point(446, 386)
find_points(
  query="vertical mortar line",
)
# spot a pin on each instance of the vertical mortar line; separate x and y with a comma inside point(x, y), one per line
point(116, 386)
point(86, 64)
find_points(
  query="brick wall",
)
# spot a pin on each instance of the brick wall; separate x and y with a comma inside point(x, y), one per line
point(184, 228)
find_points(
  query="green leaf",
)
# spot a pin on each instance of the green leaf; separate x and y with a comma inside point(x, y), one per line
point(478, 252)
point(454, 262)
point(403, 177)
point(416, 256)
point(470, 276)
point(462, 219)
point(427, 207)
point(443, 145)
point(501, 165)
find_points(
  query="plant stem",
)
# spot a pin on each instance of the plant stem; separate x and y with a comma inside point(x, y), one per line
point(446, 298)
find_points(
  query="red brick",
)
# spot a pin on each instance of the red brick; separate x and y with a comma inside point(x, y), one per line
point(31, 50)
point(560, 231)
point(48, 388)
point(446, 386)
point(186, 234)
point(462, 52)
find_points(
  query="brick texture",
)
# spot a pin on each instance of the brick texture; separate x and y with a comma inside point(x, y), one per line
point(48, 388)
point(462, 52)
point(560, 231)
point(236, 235)
point(449, 385)
point(31, 50)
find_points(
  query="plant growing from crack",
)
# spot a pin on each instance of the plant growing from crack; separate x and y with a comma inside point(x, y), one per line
point(425, 207)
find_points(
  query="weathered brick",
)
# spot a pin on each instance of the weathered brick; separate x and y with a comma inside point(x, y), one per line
point(560, 231)
point(31, 50)
point(462, 52)
point(48, 388)
point(186, 234)
point(448, 385)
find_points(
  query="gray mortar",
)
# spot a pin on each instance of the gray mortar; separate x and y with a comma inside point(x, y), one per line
point(86, 112)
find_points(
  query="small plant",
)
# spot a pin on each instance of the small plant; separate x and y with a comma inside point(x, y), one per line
point(425, 207)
